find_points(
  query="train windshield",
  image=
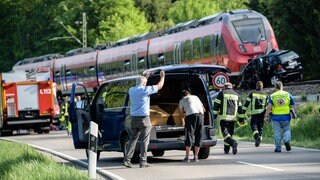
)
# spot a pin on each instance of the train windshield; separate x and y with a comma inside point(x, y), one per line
point(250, 30)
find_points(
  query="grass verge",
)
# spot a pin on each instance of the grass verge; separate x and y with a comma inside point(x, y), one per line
point(19, 161)
point(305, 130)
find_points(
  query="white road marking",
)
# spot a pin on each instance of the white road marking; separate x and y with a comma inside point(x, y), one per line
point(261, 166)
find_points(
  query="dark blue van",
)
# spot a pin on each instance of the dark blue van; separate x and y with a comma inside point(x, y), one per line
point(110, 105)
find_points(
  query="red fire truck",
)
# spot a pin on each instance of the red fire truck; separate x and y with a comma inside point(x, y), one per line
point(27, 101)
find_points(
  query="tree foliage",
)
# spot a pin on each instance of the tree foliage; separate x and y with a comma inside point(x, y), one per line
point(185, 10)
point(122, 20)
point(31, 28)
point(156, 12)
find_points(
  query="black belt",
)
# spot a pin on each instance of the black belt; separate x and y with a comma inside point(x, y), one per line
point(139, 116)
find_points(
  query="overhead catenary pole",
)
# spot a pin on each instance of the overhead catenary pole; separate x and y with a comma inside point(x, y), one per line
point(73, 36)
point(84, 30)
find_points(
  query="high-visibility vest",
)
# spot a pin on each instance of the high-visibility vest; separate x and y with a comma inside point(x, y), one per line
point(228, 106)
point(281, 103)
point(257, 101)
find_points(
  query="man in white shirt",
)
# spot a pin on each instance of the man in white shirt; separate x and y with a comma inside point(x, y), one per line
point(193, 122)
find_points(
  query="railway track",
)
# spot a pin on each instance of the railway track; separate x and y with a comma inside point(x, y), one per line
point(302, 88)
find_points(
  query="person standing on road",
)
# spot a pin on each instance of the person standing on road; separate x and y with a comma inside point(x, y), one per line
point(228, 106)
point(193, 122)
point(140, 120)
point(279, 104)
point(258, 102)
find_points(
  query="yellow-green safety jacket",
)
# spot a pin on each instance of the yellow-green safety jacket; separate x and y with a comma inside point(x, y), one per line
point(228, 106)
point(281, 103)
point(257, 102)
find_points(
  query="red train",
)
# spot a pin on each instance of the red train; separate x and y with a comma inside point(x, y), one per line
point(228, 39)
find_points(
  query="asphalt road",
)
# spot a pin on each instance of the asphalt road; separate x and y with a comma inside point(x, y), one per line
point(249, 163)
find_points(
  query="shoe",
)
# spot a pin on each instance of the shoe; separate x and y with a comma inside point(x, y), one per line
point(277, 150)
point(226, 149)
point(145, 165)
point(127, 164)
point(195, 160)
point(258, 141)
point(234, 148)
point(186, 160)
point(288, 147)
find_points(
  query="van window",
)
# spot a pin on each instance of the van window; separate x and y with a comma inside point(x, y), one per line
point(116, 93)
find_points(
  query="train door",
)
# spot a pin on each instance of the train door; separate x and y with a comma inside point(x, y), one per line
point(63, 77)
point(177, 53)
point(134, 63)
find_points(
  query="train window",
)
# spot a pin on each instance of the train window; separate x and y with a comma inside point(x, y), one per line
point(91, 68)
point(117, 67)
point(127, 65)
point(169, 58)
point(177, 53)
point(187, 50)
point(206, 47)
point(126, 62)
point(68, 72)
point(160, 59)
point(222, 46)
point(196, 48)
point(250, 30)
point(214, 45)
point(153, 60)
point(107, 68)
point(57, 73)
point(141, 63)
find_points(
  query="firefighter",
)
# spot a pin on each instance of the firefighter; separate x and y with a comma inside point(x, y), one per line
point(257, 102)
point(228, 106)
point(65, 115)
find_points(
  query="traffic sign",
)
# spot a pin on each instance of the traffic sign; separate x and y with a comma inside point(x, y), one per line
point(219, 79)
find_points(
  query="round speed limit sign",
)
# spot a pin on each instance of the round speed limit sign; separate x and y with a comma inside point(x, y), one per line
point(219, 79)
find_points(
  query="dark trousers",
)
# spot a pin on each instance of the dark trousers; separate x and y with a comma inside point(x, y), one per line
point(257, 122)
point(140, 129)
point(193, 127)
point(227, 130)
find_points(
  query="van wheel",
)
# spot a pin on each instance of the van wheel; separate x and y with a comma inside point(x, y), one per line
point(124, 145)
point(204, 153)
point(157, 153)
point(98, 154)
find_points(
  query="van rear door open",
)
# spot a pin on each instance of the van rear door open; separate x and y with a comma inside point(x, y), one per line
point(110, 109)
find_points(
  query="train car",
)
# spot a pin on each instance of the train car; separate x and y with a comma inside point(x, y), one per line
point(229, 39)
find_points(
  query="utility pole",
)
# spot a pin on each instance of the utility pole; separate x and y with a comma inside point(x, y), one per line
point(84, 30)
point(73, 36)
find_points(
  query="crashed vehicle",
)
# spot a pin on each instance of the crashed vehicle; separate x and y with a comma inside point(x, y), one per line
point(110, 109)
point(281, 65)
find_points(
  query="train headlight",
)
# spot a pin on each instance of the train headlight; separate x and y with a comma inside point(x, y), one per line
point(242, 48)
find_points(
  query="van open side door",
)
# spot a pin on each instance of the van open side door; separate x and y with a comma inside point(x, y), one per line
point(79, 115)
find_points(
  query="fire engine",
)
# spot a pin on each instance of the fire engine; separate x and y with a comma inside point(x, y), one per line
point(27, 101)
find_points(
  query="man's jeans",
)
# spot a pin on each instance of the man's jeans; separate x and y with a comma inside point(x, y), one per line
point(278, 127)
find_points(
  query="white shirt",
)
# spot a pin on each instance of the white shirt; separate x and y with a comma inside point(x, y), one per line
point(191, 104)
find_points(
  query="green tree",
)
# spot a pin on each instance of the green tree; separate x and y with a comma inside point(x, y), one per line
point(119, 19)
point(156, 12)
point(185, 10)
point(25, 27)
